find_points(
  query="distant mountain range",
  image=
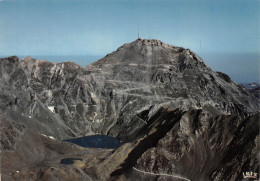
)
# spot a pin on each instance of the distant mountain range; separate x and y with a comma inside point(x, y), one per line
point(254, 88)
point(251, 86)
point(172, 113)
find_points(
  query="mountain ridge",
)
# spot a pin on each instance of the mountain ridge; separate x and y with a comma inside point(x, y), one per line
point(132, 72)
point(145, 90)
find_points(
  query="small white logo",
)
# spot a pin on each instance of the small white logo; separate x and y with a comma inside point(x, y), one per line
point(249, 175)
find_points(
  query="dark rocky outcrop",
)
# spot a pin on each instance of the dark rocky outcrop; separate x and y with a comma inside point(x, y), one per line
point(172, 112)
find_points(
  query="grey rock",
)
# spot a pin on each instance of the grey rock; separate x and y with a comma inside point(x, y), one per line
point(173, 112)
point(107, 96)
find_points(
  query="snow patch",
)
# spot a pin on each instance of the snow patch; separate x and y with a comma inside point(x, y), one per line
point(94, 97)
point(49, 93)
point(98, 120)
point(51, 137)
point(133, 64)
point(51, 108)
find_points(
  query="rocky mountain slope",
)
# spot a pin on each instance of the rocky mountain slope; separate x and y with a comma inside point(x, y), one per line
point(174, 114)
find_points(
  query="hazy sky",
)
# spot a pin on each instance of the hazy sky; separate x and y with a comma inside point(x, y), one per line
point(98, 27)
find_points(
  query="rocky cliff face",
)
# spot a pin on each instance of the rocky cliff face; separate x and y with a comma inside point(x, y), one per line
point(197, 149)
point(174, 113)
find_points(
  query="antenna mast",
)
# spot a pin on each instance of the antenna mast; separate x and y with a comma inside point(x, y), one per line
point(138, 34)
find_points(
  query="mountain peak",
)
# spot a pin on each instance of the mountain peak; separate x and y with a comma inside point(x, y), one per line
point(151, 42)
point(28, 58)
point(155, 98)
point(151, 62)
point(152, 53)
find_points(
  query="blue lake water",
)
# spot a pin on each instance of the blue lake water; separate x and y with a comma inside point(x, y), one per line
point(96, 141)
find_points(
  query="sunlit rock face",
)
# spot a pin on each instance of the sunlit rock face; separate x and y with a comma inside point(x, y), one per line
point(108, 96)
point(161, 99)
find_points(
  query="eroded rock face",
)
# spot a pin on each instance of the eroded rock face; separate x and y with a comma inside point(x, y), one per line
point(107, 95)
point(201, 147)
point(174, 114)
